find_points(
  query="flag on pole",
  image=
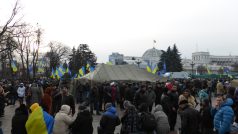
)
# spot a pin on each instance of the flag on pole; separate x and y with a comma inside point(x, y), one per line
point(92, 69)
point(164, 68)
point(14, 67)
point(52, 73)
point(155, 69)
point(148, 69)
point(61, 70)
point(82, 71)
point(208, 70)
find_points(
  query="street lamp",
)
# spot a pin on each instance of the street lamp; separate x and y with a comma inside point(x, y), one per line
point(138, 62)
point(192, 64)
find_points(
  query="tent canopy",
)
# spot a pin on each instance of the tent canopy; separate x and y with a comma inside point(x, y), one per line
point(105, 72)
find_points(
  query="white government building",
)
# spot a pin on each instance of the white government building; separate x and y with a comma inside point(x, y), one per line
point(214, 62)
point(150, 57)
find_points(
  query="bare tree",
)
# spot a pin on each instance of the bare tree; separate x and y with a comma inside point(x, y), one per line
point(24, 39)
point(58, 52)
point(8, 28)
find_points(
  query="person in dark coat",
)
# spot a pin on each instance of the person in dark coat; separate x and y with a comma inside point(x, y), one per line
point(109, 120)
point(189, 118)
point(19, 120)
point(173, 96)
point(140, 96)
point(94, 100)
point(158, 93)
point(206, 118)
point(56, 101)
point(130, 119)
point(68, 99)
point(83, 122)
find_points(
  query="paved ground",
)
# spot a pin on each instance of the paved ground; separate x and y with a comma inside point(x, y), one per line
point(9, 112)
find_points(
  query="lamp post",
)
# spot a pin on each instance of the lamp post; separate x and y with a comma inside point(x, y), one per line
point(138, 62)
point(192, 64)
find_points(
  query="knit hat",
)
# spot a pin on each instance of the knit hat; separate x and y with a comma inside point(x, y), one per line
point(169, 86)
point(34, 106)
point(108, 105)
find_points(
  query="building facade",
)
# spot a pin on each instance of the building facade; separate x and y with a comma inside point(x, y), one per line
point(205, 58)
point(116, 58)
point(150, 57)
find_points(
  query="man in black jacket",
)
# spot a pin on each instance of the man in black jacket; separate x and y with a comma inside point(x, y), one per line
point(83, 122)
point(19, 120)
point(189, 119)
point(68, 99)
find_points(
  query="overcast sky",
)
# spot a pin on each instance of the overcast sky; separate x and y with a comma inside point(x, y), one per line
point(130, 26)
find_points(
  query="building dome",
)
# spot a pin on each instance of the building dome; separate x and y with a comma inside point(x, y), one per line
point(152, 54)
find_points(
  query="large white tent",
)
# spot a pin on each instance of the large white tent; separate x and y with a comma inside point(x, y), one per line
point(104, 72)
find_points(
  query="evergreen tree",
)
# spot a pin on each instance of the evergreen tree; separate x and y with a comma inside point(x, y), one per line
point(177, 65)
point(81, 57)
point(172, 60)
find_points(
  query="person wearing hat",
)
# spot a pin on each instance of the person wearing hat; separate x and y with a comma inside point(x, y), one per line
point(109, 120)
point(189, 118)
point(21, 92)
point(162, 120)
point(140, 96)
point(151, 97)
point(187, 96)
point(63, 120)
point(39, 121)
point(83, 122)
point(129, 119)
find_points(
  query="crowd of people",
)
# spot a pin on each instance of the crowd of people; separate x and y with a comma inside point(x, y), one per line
point(47, 107)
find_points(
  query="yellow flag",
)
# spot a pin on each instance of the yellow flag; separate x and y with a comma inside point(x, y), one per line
point(208, 70)
point(148, 69)
point(155, 70)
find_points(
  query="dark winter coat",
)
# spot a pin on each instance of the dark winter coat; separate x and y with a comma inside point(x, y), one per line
point(189, 121)
point(151, 96)
point(206, 118)
point(130, 121)
point(130, 94)
point(19, 121)
point(83, 123)
point(224, 117)
point(140, 98)
point(158, 93)
point(109, 121)
point(69, 100)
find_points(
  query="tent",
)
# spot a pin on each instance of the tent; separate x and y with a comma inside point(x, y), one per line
point(104, 72)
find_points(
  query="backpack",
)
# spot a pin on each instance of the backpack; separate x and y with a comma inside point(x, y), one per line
point(148, 122)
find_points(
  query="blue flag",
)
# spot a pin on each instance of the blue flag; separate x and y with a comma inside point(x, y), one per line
point(164, 68)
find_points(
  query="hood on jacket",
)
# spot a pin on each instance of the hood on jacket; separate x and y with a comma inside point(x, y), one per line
point(227, 102)
point(111, 111)
point(158, 108)
point(65, 109)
